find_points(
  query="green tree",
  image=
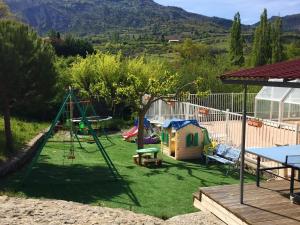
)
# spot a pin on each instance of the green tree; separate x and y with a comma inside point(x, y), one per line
point(64, 79)
point(148, 78)
point(189, 50)
point(95, 75)
point(127, 81)
point(70, 46)
point(115, 37)
point(207, 69)
point(199, 61)
point(52, 34)
point(262, 50)
point(27, 72)
point(4, 10)
point(236, 42)
point(293, 50)
point(277, 47)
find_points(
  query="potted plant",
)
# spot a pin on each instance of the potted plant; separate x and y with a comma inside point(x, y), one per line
point(255, 123)
point(203, 111)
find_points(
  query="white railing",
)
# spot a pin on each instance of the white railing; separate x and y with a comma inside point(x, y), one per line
point(226, 126)
point(224, 101)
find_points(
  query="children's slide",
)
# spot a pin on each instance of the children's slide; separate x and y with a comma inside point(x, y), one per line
point(131, 133)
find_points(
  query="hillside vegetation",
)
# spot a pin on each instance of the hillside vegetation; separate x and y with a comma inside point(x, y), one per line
point(22, 132)
point(86, 17)
point(290, 23)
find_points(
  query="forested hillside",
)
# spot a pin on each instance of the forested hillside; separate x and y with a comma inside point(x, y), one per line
point(97, 16)
point(290, 23)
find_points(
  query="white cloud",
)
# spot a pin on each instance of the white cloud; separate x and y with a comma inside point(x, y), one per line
point(250, 10)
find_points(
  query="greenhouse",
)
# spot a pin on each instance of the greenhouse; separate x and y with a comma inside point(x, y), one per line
point(278, 104)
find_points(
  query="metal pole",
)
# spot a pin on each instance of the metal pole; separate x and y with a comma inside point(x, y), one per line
point(227, 126)
point(187, 114)
point(47, 136)
point(297, 134)
point(255, 107)
point(159, 110)
point(243, 146)
point(232, 102)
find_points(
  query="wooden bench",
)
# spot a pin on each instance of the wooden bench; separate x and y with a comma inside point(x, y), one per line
point(146, 151)
point(136, 157)
point(225, 154)
point(154, 161)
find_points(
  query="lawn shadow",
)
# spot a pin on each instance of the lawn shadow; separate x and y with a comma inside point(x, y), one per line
point(75, 182)
point(190, 166)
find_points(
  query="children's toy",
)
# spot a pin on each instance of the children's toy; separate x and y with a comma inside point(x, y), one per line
point(97, 122)
point(143, 157)
point(183, 139)
point(150, 136)
point(153, 139)
point(67, 107)
point(130, 133)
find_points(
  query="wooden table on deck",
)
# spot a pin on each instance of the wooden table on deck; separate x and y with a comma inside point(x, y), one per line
point(140, 152)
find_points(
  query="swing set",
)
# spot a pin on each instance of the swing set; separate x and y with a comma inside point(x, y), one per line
point(66, 111)
point(66, 114)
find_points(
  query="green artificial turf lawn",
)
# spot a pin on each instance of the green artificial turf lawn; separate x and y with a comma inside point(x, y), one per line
point(163, 192)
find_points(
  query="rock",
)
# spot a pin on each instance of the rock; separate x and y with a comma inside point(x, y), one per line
point(4, 198)
point(33, 211)
point(198, 218)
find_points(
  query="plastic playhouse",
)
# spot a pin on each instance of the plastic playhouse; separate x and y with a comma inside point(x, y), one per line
point(183, 139)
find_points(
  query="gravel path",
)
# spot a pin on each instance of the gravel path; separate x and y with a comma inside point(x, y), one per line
point(18, 211)
point(198, 218)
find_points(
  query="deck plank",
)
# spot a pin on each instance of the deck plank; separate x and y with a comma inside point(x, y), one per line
point(268, 204)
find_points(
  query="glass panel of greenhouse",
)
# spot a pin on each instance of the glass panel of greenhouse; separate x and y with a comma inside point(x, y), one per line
point(278, 104)
point(292, 106)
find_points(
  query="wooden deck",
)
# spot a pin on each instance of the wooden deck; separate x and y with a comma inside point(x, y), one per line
point(268, 204)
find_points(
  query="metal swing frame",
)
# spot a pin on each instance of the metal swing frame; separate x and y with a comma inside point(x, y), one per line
point(71, 97)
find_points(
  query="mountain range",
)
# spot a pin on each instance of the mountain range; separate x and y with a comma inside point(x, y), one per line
point(290, 22)
point(92, 17)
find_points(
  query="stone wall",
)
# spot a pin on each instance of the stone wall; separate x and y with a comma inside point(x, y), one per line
point(24, 155)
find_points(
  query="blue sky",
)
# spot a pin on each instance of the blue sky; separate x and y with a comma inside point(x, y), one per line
point(250, 10)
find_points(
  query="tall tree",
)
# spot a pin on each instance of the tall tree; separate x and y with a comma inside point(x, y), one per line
point(189, 50)
point(4, 10)
point(293, 50)
point(95, 75)
point(151, 79)
point(127, 81)
point(262, 50)
point(277, 47)
point(236, 42)
point(70, 46)
point(26, 70)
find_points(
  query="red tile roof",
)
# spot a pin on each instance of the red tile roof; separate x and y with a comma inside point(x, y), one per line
point(288, 70)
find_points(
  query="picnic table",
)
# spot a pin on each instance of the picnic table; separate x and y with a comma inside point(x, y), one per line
point(143, 151)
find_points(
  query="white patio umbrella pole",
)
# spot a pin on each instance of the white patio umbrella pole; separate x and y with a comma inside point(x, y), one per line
point(243, 146)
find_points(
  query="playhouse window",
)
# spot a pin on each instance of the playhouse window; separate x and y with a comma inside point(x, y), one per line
point(192, 140)
point(195, 139)
point(165, 138)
